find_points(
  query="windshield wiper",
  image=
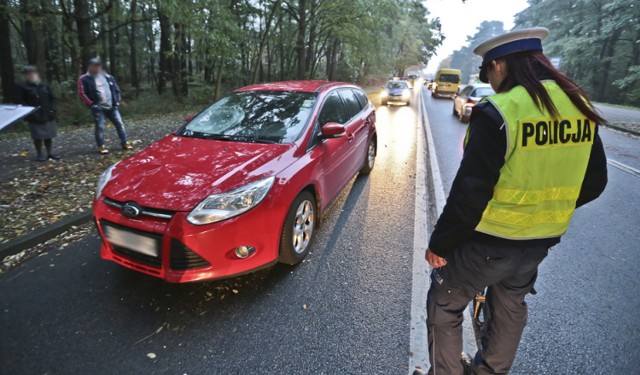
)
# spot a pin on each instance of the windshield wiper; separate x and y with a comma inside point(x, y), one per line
point(233, 138)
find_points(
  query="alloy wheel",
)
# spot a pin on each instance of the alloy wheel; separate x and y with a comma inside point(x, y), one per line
point(303, 226)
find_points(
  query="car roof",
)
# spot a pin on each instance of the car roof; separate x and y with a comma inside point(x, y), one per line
point(478, 85)
point(296, 86)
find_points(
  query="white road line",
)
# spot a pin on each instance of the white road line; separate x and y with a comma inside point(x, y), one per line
point(623, 167)
point(418, 353)
point(418, 338)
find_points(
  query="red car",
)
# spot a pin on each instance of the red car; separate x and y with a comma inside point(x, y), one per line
point(238, 187)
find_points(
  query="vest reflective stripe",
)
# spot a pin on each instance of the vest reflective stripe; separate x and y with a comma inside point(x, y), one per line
point(524, 197)
point(545, 164)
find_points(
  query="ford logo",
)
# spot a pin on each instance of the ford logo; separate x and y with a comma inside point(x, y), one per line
point(131, 209)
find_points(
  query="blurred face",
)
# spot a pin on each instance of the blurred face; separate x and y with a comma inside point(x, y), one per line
point(496, 73)
point(95, 69)
point(32, 77)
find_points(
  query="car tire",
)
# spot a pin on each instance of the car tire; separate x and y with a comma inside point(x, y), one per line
point(383, 102)
point(455, 113)
point(369, 157)
point(298, 229)
point(408, 102)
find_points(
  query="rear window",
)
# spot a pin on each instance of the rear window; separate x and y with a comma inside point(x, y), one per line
point(481, 92)
point(451, 78)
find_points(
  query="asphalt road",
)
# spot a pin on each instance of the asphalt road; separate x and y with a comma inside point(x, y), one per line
point(345, 310)
point(584, 319)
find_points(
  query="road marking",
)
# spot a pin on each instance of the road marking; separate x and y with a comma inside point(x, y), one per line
point(418, 338)
point(418, 353)
point(623, 167)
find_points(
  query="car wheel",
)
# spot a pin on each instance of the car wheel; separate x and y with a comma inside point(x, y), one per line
point(455, 113)
point(370, 157)
point(298, 230)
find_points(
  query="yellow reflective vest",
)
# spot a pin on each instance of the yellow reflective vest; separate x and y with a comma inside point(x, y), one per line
point(545, 164)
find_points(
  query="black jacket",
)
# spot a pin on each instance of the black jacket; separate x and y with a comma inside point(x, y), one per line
point(88, 90)
point(41, 97)
point(477, 176)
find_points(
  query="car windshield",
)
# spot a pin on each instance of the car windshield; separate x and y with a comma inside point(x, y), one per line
point(255, 116)
point(481, 92)
point(397, 85)
point(451, 78)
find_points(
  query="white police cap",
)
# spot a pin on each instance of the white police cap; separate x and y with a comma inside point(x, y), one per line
point(512, 42)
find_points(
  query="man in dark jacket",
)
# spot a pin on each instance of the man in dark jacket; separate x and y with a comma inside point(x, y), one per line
point(36, 93)
point(101, 93)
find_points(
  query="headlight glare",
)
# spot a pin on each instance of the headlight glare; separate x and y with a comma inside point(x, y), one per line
point(223, 206)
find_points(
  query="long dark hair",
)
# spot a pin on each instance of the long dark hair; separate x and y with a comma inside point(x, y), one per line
point(529, 68)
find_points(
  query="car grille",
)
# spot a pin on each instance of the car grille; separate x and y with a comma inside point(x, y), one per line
point(183, 258)
point(145, 259)
point(146, 211)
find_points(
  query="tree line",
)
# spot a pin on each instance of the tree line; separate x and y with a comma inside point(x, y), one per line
point(171, 47)
point(595, 42)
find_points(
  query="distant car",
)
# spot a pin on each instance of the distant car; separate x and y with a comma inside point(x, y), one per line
point(396, 92)
point(468, 98)
point(238, 187)
point(430, 84)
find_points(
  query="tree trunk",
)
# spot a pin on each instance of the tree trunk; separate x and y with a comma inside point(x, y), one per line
point(6, 59)
point(83, 27)
point(300, 41)
point(165, 50)
point(263, 41)
point(133, 50)
point(332, 66)
point(113, 41)
point(218, 92)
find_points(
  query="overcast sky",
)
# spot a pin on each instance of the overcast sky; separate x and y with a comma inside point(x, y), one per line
point(461, 19)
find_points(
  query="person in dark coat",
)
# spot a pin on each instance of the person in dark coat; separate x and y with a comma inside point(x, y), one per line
point(36, 93)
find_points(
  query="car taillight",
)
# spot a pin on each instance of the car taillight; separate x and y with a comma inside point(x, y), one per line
point(470, 103)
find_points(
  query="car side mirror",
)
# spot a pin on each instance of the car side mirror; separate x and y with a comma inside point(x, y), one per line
point(333, 130)
point(189, 118)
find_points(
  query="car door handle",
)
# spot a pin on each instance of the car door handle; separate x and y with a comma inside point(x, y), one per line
point(350, 137)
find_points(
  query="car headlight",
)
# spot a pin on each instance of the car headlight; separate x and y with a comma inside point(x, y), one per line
point(104, 178)
point(406, 93)
point(223, 206)
point(384, 93)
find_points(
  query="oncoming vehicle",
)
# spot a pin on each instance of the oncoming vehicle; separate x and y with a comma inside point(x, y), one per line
point(395, 92)
point(238, 187)
point(447, 83)
point(468, 98)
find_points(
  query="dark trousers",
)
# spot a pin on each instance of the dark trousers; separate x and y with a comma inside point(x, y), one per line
point(509, 274)
point(99, 117)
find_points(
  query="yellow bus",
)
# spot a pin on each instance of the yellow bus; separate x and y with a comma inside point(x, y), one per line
point(447, 83)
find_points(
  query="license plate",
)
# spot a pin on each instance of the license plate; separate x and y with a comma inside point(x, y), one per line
point(132, 241)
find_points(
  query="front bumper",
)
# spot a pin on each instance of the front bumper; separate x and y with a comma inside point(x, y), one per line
point(397, 99)
point(188, 252)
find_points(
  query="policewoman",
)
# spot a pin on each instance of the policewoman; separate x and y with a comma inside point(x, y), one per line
point(532, 156)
